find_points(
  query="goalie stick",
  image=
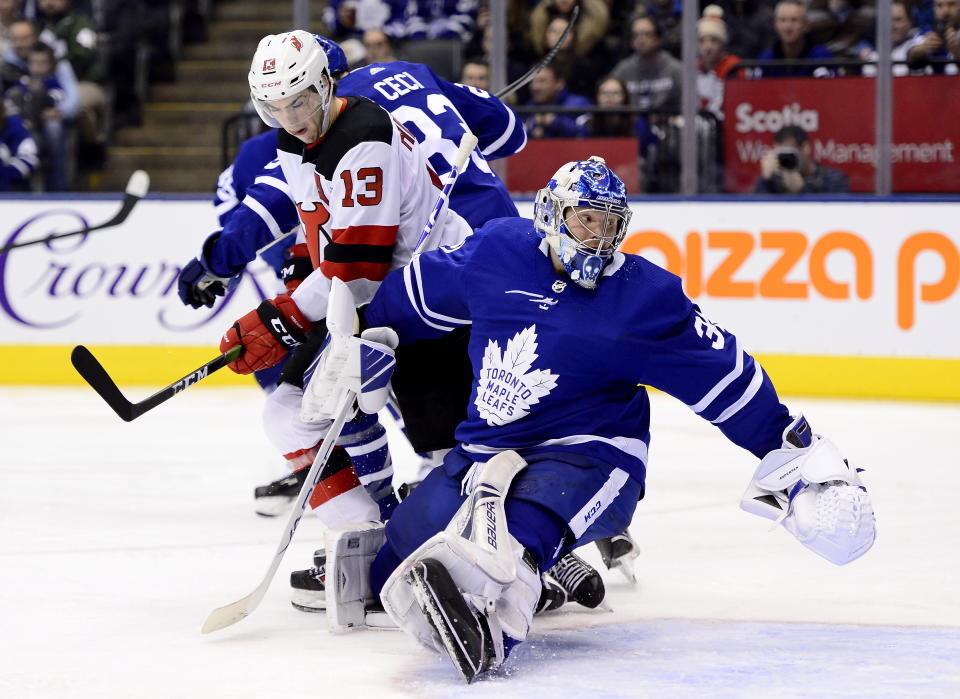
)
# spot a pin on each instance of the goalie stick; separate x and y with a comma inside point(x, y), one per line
point(136, 189)
point(528, 76)
point(94, 374)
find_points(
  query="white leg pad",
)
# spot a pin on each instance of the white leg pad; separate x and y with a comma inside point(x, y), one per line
point(509, 604)
point(350, 551)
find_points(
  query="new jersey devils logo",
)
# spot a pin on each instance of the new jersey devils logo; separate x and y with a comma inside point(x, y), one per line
point(297, 44)
point(270, 65)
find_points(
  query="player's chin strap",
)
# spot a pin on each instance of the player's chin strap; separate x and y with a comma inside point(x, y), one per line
point(815, 494)
point(486, 564)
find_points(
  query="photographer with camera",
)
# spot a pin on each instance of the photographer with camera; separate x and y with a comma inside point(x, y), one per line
point(789, 168)
point(941, 42)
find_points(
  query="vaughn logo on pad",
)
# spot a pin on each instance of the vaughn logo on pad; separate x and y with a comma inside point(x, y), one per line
point(508, 383)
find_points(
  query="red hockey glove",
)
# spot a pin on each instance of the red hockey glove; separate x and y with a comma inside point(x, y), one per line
point(267, 333)
point(297, 267)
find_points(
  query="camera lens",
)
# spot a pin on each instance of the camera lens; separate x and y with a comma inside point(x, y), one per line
point(788, 161)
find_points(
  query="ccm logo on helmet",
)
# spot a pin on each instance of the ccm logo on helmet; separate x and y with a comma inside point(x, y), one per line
point(269, 65)
point(273, 84)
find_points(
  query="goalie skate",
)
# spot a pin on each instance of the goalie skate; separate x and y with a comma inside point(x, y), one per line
point(463, 634)
point(309, 586)
point(618, 553)
point(579, 580)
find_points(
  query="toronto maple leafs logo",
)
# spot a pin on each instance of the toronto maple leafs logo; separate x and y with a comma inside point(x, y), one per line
point(508, 384)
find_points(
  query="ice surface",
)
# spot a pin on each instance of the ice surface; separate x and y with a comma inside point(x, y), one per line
point(117, 540)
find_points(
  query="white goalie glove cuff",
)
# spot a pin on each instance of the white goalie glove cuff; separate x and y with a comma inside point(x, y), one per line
point(348, 367)
point(807, 486)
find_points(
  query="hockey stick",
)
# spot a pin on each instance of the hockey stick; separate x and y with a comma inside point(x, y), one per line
point(230, 614)
point(467, 144)
point(137, 187)
point(528, 76)
point(94, 374)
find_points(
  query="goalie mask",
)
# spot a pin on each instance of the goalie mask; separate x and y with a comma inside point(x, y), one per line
point(290, 83)
point(583, 214)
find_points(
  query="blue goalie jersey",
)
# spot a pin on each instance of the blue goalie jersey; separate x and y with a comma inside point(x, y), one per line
point(560, 367)
point(437, 112)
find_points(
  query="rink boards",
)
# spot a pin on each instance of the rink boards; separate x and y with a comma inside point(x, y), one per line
point(850, 298)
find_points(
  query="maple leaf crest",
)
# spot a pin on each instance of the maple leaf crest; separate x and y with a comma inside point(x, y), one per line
point(508, 384)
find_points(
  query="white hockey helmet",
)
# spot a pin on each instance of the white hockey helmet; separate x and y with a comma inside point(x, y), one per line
point(285, 65)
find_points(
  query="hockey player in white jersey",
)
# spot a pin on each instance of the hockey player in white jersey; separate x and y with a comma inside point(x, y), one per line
point(363, 192)
point(565, 334)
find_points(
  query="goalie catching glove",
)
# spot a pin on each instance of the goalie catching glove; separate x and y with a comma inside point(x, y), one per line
point(266, 333)
point(818, 497)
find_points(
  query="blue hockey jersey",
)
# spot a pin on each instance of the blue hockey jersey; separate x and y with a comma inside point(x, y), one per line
point(437, 112)
point(557, 366)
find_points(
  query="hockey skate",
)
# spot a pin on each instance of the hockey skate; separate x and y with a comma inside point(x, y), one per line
point(618, 553)
point(275, 498)
point(462, 633)
point(309, 586)
point(578, 580)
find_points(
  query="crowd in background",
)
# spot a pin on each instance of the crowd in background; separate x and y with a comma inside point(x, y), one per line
point(72, 70)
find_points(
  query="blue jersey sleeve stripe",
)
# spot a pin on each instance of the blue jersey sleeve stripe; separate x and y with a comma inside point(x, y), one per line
point(433, 314)
point(712, 394)
point(507, 134)
point(225, 206)
point(747, 396)
point(408, 284)
point(264, 215)
point(274, 182)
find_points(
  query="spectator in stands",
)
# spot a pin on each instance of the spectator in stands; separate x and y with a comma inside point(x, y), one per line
point(476, 73)
point(905, 38)
point(841, 25)
point(515, 67)
point(518, 26)
point(943, 41)
point(653, 77)
point(590, 29)
point(789, 167)
point(46, 108)
point(73, 37)
point(611, 92)
point(18, 153)
point(668, 15)
point(748, 25)
point(440, 19)
point(22, 37)
point(350, 19)
point(379, 47)
point(714, 64)
point(581, 69)
point(792, 42)
point(548, 87)
point(9, 13)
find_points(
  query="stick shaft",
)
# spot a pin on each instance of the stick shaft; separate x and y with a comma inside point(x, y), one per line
point(100, 381)
point(467, 144)
point(528, 76)
point(130, 199)
point(230, 614)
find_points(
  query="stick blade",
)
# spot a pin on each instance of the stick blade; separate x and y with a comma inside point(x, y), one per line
point(99, 380)
point(138, 185)
point(227, 615)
